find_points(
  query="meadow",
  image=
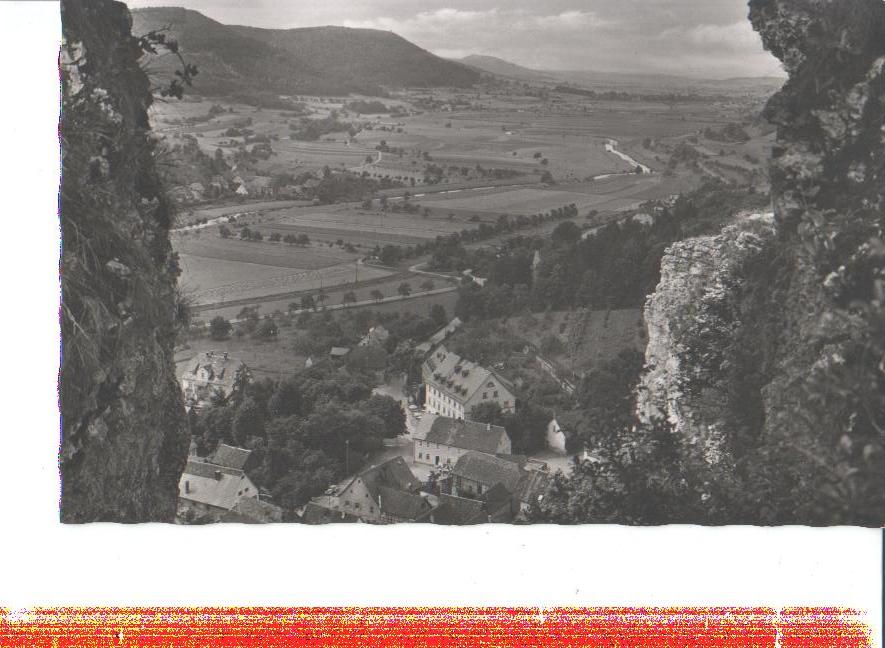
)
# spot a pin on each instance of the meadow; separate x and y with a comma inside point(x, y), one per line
point(352, 224)
point(419, 305)
point(221, 270)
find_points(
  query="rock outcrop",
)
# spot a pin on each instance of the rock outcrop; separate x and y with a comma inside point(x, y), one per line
point(769, 357)
point(693, 318)
point(124, 440)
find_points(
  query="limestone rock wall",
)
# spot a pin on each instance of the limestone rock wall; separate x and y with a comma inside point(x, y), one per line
point(123, 436)
point(693, 317)
point(767, 348)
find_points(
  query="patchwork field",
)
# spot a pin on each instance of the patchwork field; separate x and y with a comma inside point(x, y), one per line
point(492, 149)
point(349, 223)
point(388, 288)
point(220, 270)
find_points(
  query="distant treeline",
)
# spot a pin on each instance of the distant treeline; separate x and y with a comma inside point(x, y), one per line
point(612, 95)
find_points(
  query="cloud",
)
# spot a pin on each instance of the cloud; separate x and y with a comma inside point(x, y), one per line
point(526, 37)
point(437, 29)
point(738, 36)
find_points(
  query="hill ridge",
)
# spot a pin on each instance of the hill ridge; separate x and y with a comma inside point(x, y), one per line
point(332, 59)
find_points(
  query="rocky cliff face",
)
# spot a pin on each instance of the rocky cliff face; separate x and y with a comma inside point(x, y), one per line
point(693, 317)
point(124, 440)
point(769, 350)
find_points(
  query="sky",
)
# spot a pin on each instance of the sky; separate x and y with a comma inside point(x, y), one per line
point(701, 38)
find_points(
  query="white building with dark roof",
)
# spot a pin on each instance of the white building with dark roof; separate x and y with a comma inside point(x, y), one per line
point(455, 386)
point(441, 440)
point(210, 375)
point(209, 491)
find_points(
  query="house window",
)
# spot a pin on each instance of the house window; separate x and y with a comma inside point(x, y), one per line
point(485, 395)
point(496, 394)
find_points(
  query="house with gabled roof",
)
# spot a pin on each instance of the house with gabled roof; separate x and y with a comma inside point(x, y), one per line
point(454, 386)
point(211, 375)
point(460, 511)
point(442, 440)
point(207, 491)
point(251, 510)
point(383, 494)
point(317, 513)
point(475, 475)
point(230, 456)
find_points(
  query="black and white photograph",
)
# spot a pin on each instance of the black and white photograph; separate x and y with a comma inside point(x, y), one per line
point(466, 262)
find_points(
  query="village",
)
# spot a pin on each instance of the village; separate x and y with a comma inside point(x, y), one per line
point(444, 469)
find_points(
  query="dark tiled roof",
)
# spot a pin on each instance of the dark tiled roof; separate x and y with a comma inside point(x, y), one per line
point(204, 469)
point(316, 514)
point(467, 435)
point(221, 369)
point(451, 374)
point(258, 512)
point(488, 470)
point(393, 473)
point(461, 511)
point(230, 456)
point(402, 505)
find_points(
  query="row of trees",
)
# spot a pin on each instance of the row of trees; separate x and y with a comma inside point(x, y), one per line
point(248, 234)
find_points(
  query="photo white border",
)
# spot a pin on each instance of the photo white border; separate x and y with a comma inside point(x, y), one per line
point(49, 564)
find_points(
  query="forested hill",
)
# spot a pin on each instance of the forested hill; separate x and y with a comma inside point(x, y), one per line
point(316, 60)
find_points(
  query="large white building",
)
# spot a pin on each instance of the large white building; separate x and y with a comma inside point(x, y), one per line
point(440, 440)
point(455, 386)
